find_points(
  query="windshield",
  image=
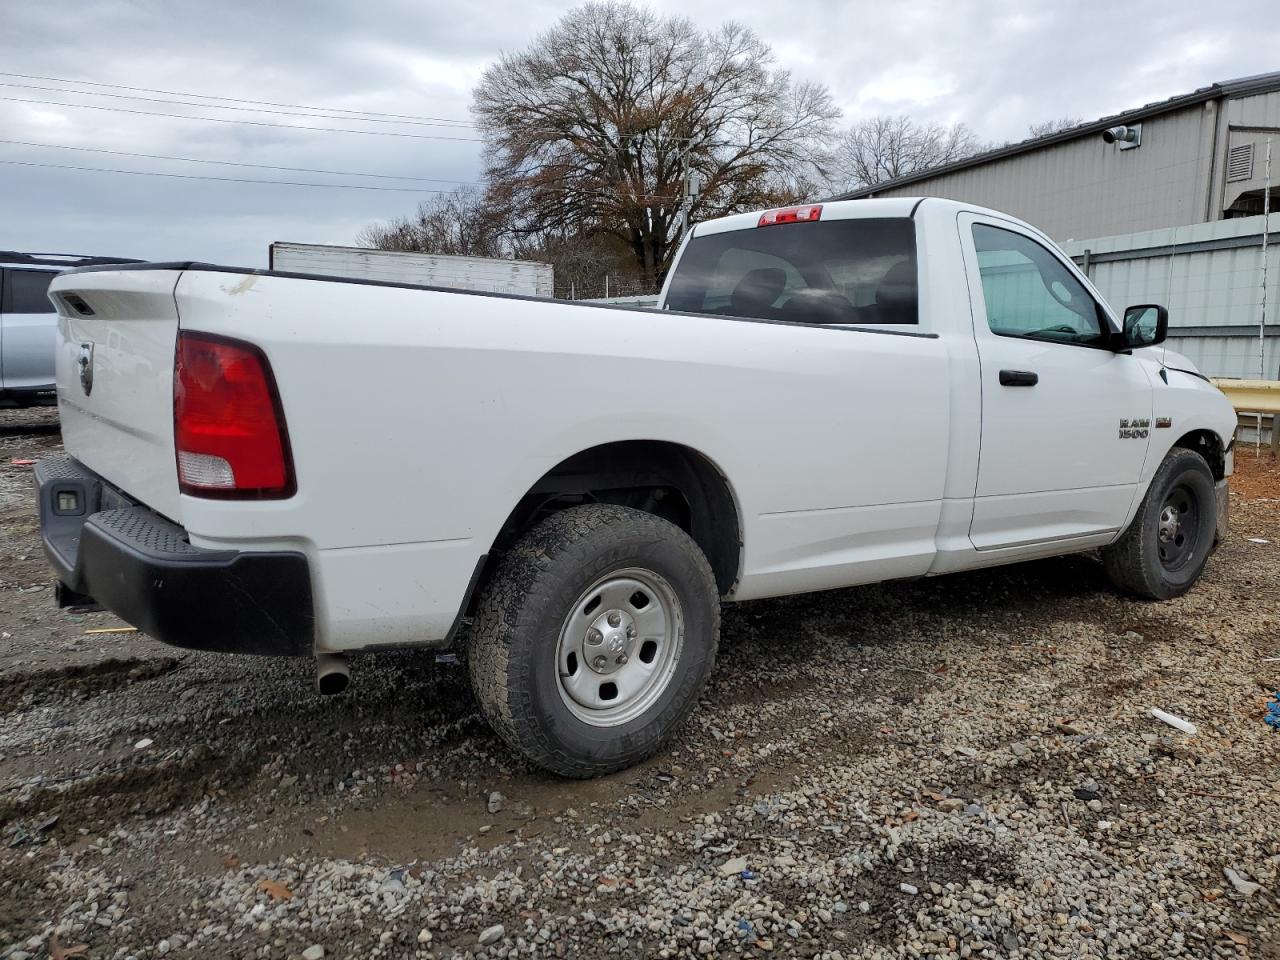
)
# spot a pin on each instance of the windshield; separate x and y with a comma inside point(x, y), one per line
point(837, 271)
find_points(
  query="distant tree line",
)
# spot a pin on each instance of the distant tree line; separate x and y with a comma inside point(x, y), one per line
point(593, 131)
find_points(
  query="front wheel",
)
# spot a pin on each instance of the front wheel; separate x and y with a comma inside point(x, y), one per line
point(594, 638)
point(1164, 551)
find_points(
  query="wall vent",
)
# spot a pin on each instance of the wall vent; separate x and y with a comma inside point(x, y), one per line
point(1240, 163)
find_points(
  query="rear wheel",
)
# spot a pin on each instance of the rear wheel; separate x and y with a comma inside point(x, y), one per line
point(594, 638)
point(1164, 551)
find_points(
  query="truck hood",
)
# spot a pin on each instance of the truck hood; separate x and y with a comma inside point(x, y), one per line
point(1169, 358)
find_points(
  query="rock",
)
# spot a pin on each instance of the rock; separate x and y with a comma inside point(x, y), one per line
point(1011, 941)
point(424, 935)
point(143, 743)
point(162, 947)
point(951, 805)
point(495, 801)
point(1085, 793)
point(492, 934)
point(1244, 886)
point(1166, 747)
point(313, 952)
point(734, 866)
point(908, 889)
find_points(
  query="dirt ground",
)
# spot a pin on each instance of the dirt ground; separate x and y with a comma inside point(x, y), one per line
point(962, 766)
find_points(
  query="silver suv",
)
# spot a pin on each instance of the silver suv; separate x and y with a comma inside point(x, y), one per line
point(28, 324)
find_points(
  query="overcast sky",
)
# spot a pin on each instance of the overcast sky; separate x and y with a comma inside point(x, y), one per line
point(997, 66)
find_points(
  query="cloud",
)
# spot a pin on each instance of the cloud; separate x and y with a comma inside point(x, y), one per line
point(997, 65)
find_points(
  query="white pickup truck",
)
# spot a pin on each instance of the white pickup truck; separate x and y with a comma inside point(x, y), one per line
point(828, 395)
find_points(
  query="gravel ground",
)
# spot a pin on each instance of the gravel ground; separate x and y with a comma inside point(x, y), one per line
point(955, 767)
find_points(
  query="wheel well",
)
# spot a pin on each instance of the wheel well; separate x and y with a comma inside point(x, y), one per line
point(1208, 445)
point(666, 479)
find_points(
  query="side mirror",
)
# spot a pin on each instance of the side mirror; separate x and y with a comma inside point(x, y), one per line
point(1144, 326)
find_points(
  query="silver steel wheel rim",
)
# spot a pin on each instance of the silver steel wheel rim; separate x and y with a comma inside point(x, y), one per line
point(619, 647)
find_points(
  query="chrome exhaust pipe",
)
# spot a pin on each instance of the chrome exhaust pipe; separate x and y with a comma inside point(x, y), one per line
point(333, 675)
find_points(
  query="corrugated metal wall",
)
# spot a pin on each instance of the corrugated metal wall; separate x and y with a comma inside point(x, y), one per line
point(1087, 188)
point(1261, 110)
point(1209, 275)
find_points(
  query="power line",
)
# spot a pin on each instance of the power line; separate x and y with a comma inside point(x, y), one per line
point(233, 163)
point(357, 115)
point(207, 96)
point(279, 183)
point(196, 176)
point(254, 123)
point(447, 122)
point(448, 125)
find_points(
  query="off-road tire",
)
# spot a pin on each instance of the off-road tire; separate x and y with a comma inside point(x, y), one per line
point(1133, 562)
point(522, 608)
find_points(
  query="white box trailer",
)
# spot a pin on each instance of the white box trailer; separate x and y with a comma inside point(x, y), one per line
point(427, 269)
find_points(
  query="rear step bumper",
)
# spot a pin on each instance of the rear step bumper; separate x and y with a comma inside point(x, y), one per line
point(142, 567)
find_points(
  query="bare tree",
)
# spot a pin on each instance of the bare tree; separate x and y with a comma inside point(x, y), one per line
point(462, 223)
point(885, 148)
point(582, 260)
point(594, 126)
point(457, 223)
point(1046, 127)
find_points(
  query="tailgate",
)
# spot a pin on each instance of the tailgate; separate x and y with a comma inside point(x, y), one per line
point(114, 364)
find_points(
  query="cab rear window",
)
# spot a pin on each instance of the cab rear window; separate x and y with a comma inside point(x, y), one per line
point(858, 272)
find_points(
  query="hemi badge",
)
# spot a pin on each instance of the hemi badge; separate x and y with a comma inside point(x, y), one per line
point(1163, 423)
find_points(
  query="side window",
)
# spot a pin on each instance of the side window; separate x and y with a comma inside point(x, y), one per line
point(1029, 293)
point(27, 291)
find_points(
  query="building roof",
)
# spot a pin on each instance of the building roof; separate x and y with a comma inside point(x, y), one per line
point(1242, 87)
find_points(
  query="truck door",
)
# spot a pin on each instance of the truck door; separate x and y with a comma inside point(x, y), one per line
point(1065, 420)
point(28, 328)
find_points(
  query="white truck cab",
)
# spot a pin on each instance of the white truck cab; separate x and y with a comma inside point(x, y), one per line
point(828, 395)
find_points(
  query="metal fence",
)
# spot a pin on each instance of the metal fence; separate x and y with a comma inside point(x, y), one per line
point(1209, 275)
point(1257, 404)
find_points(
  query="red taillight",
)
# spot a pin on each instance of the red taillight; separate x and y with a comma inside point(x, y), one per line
point(228, 427)
point(811, 211)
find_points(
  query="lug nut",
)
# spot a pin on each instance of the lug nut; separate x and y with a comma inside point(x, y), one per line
point(594, 636)
point(599, 663)
point(614, 618)
point(631, 633)
point(621, 660)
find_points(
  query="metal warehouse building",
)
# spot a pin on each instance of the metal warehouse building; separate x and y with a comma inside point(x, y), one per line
point(1138, 199)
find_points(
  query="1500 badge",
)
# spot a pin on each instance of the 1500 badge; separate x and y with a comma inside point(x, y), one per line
point(1134, 429)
